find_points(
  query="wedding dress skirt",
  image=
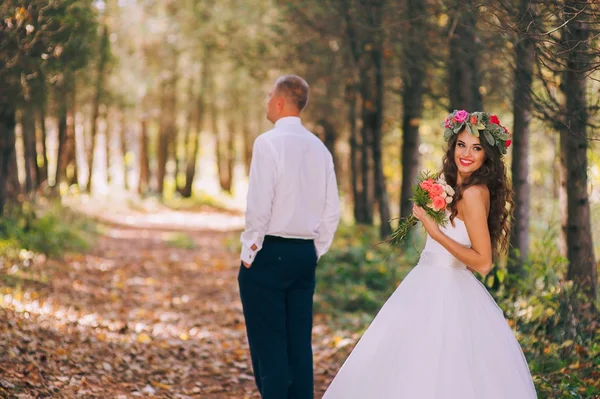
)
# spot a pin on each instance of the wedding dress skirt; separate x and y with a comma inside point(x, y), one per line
point(439, 336)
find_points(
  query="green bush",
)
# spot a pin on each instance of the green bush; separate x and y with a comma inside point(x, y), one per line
point(49, 230)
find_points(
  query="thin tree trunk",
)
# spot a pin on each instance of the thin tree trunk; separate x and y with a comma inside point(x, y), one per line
point(412, 101)
point(43, 175)
point(230, 155)
point(144, 181)
point(524, 58)
point(355, 171)
point(465, 79)
point(218, 147)
point(330, 139)
point(190, 121)
point(190, 170)
point(123, 142)
point(381, 194)
point(71, 145)
point(247, 140)
point(61, 158)
point(108, 128)
point(29, 145)
point(163, 141)
point(7, 148)
point(96, 104)
point(574, 146)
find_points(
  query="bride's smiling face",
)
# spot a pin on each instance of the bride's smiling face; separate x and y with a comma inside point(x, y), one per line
point(468, 153)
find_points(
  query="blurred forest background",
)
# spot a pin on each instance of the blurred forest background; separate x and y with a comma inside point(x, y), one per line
point(163, 99)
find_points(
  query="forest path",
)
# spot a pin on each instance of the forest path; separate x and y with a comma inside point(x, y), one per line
point(152, 310)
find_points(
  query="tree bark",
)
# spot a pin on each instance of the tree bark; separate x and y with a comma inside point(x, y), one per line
point(163, 140)
point(412, 101)
point(574, 146)
point(61, 158)
point(218, 146)
point(524, 61)
point(71, 145)
point(29, 145)
point(99, 90)
point(385, 229)
point(195, 139)
point(359, 210)
point(123, 142)
point(144, 180)
point(230, 155)
point(330, 139)
point(464, 79)
point(42, 104)
point(7, 148)
point(108, 135)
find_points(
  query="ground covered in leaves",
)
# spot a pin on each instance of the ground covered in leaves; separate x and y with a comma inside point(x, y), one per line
point(151, 310)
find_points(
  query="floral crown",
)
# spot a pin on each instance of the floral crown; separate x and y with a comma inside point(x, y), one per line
point(478, 123)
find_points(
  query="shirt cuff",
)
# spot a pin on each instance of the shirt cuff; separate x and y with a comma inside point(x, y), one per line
point(247, 255)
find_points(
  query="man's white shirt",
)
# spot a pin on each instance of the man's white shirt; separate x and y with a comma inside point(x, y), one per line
point(292, 189)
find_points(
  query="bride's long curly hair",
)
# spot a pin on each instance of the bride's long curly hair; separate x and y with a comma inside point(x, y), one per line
point(492, 174)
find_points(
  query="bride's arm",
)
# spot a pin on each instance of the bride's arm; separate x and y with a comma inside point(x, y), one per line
point(473, 209)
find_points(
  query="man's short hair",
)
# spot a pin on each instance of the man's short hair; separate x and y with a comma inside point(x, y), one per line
point(293, 88)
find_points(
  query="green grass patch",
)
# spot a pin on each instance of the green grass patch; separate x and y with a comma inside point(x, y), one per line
point(180, 241)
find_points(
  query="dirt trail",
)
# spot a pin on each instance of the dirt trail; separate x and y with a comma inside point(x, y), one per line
point(151, 311)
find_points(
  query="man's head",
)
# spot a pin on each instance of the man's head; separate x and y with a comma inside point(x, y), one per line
point(288, 97)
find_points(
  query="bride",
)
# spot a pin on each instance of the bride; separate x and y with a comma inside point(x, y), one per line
point(441, 335)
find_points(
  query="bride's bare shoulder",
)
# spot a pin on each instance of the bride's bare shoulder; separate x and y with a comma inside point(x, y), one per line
point(474, 197)
point(476, 193)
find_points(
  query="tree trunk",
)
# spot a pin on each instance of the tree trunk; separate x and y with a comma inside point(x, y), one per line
point(230, 156)
point(381, 194)
point(163, 140)
point(330, 139)
point(61, 158)
point(190, 170)
point(43, 175)
point(29, 145)
point(188, 134)
point(71, 145)
point(574, 146)
point(104, 43)
point(464, 79)
point(218, 147)
point(247, 145)
point(524, 60)
point(7, 148)
point(108, 128)
point(412, 101)
point(123, 142)
point(144, 181)
point(355, 171)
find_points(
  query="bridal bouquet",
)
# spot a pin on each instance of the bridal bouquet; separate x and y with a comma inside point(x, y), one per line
point(433, 194)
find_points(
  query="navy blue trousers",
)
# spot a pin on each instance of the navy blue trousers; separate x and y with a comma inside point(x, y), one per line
point(277, 298)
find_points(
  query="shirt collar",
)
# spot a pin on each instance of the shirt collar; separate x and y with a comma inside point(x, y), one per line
point(288, 121)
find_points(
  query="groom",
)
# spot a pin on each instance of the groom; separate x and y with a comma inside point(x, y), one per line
point(291, 217)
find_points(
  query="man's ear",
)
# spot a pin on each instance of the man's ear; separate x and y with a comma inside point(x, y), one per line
point(280, 103)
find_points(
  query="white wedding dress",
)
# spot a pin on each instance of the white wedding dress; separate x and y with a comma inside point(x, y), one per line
point(439, 336)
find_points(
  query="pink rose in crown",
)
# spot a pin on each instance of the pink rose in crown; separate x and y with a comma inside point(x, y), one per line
point(508, 143)
point(494, 119)
point(435, 191)
point(461, 116)
point(439, 203)
point(447, 123)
